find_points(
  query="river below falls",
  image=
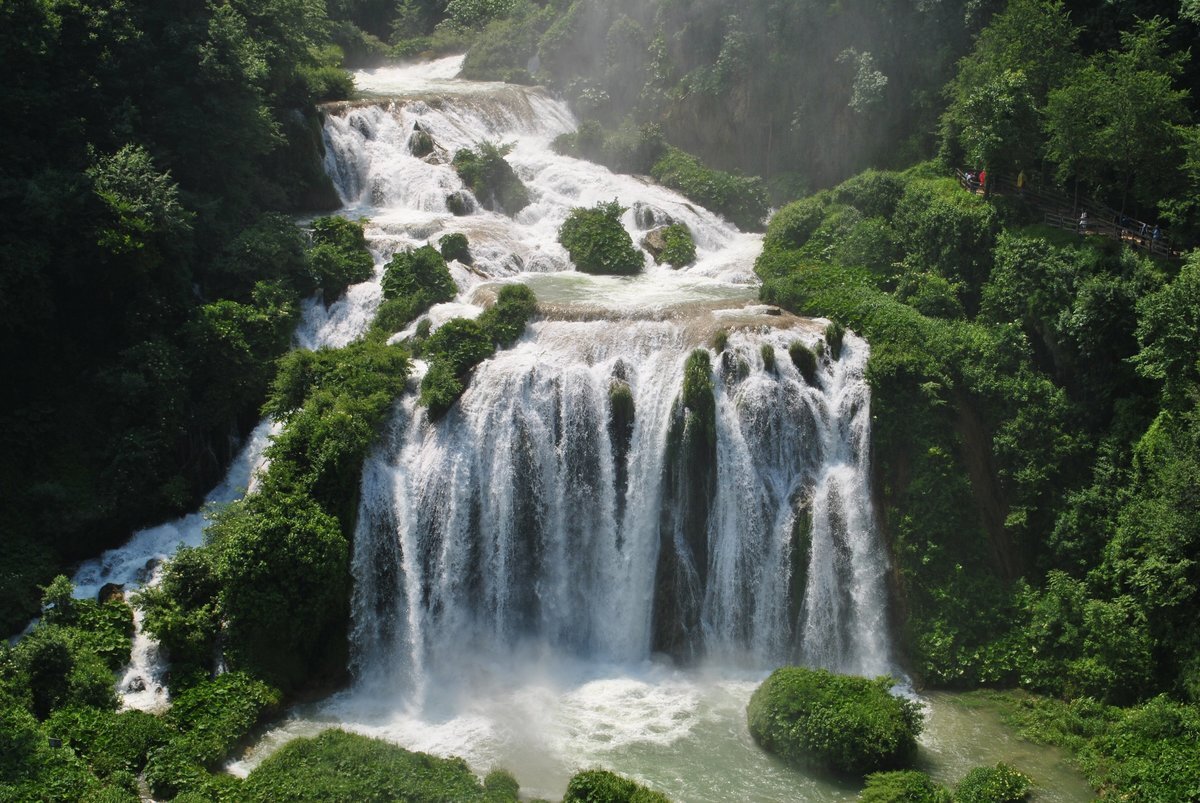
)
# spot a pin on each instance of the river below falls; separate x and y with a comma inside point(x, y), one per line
point(682, 733)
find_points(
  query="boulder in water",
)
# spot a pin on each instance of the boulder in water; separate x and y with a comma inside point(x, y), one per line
point(420, 144)
point(110, 592)
point(655, 242)
point(460, 203)
point(650, 217)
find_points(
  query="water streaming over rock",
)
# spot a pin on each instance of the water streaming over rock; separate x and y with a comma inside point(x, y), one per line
point(569, 500)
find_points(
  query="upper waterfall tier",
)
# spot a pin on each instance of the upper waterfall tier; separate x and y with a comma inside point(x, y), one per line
point(577, 497)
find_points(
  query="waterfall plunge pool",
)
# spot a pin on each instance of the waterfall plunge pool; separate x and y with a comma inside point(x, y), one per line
point(544, 717)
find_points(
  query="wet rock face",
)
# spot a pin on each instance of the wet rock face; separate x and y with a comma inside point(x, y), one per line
point(650, 217)
point(655, 242)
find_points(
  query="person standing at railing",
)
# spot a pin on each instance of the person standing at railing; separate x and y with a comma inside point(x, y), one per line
point(1083, 222)
point(1021, 184)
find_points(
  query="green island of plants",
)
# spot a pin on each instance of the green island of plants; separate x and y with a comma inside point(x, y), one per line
point(598, 243)
point(836, 722)
point(491, 178)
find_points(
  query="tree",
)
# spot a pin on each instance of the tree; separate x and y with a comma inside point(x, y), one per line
point(1021, 55)
point(1118, 123)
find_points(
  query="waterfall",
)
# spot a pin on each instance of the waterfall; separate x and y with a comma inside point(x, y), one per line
point(569, 501)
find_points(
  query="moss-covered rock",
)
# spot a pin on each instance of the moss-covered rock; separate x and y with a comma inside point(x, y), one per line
point(805, 361)
point(491, 178)
point(768, 357)
point(455, 246)
point(836, 722)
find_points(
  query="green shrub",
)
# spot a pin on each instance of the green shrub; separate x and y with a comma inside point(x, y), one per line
point(110, 742)
point(846, 724)
point(341, 766)
point(501, 785)
point(628, 149)
point(741, 199)
point(491, 178)
point(455, 349)
point(930, 294)
point(720, 340)
point(903, 786)
point(283, 563)
point(104, 629)
point(870, 243)
point(339, 255)
point(597, 242)
point(419, 274)
point(950, 232)
point(875, 193)
point(681, 248)
point(182, 611)
point(504, 321)
point(793, 225)
point(998, 784)
point(214, 716)
point(602, 786)
point(455, 246)
point(440, 388)
point(504, 50)
point(20, 741)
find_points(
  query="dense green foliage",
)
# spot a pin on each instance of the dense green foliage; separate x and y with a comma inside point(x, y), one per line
point(342, 766)
point(206, 722)
point(339, 256)
point(742, 199)
point(998, 784)
point(485, 171)
point(140, 258)
point(57, 683)
point(1116, 120)
point(680, 249)
point(598, 243)
point(457, 346)
point(903, 786)
point(842, 723)
point(1142, 753)
point(602, 786)
point(624, 149)
point(413, 281)
point(273, 578)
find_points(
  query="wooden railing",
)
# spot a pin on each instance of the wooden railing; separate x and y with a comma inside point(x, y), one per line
point(1063, 212)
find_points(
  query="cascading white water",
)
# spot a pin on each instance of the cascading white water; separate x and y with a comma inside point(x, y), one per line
point(525, 516)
